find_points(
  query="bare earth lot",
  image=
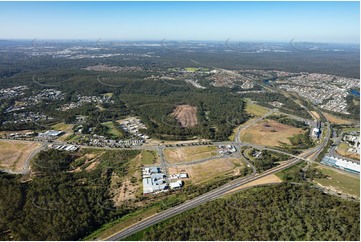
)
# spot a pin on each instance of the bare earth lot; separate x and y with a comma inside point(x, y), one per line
point(269, 133)
point(177, 155)
point(13, 153)
point(264, 180)
point(186, 115)
point(342, 149)
point(336, 120)
point(206, 171)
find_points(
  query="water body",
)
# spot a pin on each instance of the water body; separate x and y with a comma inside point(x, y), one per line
point(355, 92)
point(266, 82)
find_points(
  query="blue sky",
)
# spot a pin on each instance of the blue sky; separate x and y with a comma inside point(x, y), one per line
point(241, 21)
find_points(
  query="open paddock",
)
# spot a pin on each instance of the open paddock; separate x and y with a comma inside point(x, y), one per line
point(14, 153)
point(186, 154)
point(206, 171)
point(336, 120)
point(269, 133)
point(339, 181)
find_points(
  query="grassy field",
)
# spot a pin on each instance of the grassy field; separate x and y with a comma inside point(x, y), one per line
point(67, 128)
point(336, 120)
point(13, 153)
point(255, 109)
point(149, 157)
point(355, 129)
point(206, 171)
point(269, 133)
point(342, 150)
point(63, 126)
point(185, 154)
point(112, 129)
point(191, 69)
point(340, 181)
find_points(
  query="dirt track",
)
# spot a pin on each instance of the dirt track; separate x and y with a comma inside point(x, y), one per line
point(186, 115)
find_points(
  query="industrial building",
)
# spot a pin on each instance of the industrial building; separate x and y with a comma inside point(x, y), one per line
point(153, 180)
point(50, 134)
point(176, 184)
point(341, 164)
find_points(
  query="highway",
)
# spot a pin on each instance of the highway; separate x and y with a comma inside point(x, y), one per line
point(308, 156)
point(212, 195)
point(216, 193)
point(220, 191)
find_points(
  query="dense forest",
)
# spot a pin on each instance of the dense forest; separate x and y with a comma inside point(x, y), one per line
point(57, 204)
point(278, 212)
point(218, 113)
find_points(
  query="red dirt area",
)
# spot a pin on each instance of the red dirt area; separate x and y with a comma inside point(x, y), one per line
point(186, 115)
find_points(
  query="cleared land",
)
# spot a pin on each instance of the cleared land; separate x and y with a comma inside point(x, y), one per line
point(339, 181)
point(342, 150)
point(315, 115)
point(206, 171)
point(255, 109)
point(269, 133)
point(13, 153)
point(336, 120)
point(178, 155)
point(264, 180)
point(127, 188)
point(186, 115)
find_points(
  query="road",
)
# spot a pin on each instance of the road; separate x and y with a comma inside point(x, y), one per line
point(308, 156)
point(26, 167)
point(212, 195)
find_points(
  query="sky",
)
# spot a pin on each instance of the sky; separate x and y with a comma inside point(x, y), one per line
point(331, 22)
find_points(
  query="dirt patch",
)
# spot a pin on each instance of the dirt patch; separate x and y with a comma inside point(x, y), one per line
point(269, 133)
point(14, 153)
point(315, 115)
point(178, 155)
point(206, 171)
point(264, 180)
point(186, 115)
point(122, 190)
point(336, 120)
point(92, 166)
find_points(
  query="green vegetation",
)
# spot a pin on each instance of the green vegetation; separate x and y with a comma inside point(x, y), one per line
point(255, 109)
point(223, 110)
point(57, 204)
point(149, 157)
point(279, 212)
point(340, 181)
point(53, 160)
point(351, 129)
point(283, 119)
point(266, 159)
point(293, 173)
point(353, 107)
point(299, 141)
point(113, 129)
point(290, 106)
